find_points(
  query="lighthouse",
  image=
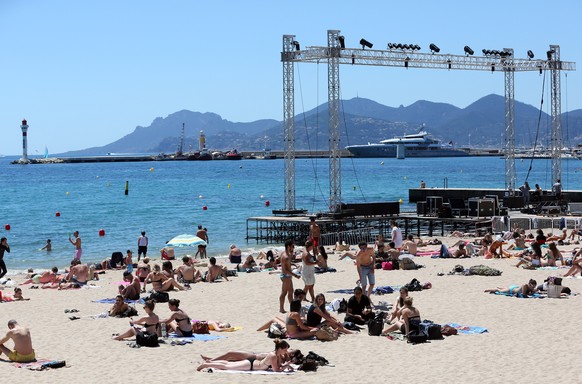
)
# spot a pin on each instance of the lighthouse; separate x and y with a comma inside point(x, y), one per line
point(24, 128)
point(202, 142)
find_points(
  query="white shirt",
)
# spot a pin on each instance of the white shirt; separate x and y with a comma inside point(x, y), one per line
point(397, 237)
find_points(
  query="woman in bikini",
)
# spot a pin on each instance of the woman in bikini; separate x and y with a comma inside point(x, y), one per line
point(150, 323)
point(515, 290)
point(318, 316)
point(160, 282)
point(399, 304)
point(409, 317)
point(554, 255)
point(295, 324)
point(278, 361)
point(179, 321)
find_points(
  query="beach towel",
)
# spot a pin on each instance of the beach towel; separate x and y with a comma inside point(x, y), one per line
point(112, 301)
point(210, 370)
point(467, 329)
point(195, 337)
point(534, 296)
point(377, 290)
point(41, 364)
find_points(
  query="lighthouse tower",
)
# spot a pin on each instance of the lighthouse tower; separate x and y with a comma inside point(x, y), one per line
point(202, 142)
point(24, 128)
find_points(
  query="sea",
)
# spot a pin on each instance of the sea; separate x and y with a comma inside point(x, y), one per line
point(167, 198)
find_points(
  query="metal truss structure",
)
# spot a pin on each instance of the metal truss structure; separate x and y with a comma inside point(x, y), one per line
point(407, 57)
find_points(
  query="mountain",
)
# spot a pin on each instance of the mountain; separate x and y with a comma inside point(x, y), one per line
point(481, 124)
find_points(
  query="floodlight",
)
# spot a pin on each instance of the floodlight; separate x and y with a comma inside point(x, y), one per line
point(468, 50)
point(530, 54)
point(365, 43)
point(342, 42)
point(434, 48)
point(296, 44)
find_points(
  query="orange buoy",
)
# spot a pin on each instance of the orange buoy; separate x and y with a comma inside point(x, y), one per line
point(205, 208)
point(101, 232)
point(267, 203)
point(7, 227)
point(58, 214)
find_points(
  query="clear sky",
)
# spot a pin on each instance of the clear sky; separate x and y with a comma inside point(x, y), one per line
point(87, 72)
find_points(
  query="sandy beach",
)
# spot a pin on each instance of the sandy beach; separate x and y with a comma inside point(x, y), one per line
point(528, 340)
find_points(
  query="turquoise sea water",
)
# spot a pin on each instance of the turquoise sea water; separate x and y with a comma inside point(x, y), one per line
point(168, 200)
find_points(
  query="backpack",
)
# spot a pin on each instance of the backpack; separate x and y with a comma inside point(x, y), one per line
point(343, 306)
point(417, 333)
point(376, 325)
point(432, 330)
point(276, 332)
point(146, 339)
point(387, 266)
point(407, 263)
point(413, 286)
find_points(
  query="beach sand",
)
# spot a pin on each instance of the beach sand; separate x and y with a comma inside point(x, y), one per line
point(529, 340)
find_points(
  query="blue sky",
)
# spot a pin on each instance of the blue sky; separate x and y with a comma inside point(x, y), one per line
point(86, 73)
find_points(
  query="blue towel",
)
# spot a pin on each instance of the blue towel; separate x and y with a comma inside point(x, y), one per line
point(534, 296)
point(196, 337)
point(112, 301)
point(377, 290)
point(467, 329)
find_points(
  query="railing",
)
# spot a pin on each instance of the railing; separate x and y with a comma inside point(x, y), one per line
point(353, 236)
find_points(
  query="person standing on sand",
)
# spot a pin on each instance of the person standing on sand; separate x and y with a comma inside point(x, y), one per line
point(365, 263)
point(77, 244)
point(4, 247)
point(396, 234)
point(23, 352)
point(314, 234)
point(308, 269)
point(203, 234)
point(142, 245)
point(286, 275)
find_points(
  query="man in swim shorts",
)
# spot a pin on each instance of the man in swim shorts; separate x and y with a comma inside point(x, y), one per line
point(142, 245)
point(23, 352)
point(314, 234)
point(77, 244)
point(365, 263)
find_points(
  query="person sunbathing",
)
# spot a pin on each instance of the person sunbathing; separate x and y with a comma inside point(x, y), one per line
point(318, 316)
point(187, 273)
point(295, 324)
point(179, 321)
point(150, 324)
point(168, 269)
point(518, 242)
point(160, 282)
point(554, 255)
point(278, 361)
point(493, 252)
point(43, 278)
point(131, 291)
point(561, 237)
point(119, 307)
point(398, 305)
point(248, 265)
point(524, 290)
point(532, 255)
point(409, 318)
point(576, 264)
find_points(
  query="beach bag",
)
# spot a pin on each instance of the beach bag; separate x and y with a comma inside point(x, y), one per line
point(387, 266)
point(343, 306)
point(407, 263)
point(417, 336)
point(326, 333)
point(160, 297)
point(276, 332)
point(146, 339)
point(484, 270)
point(320, 360)
point(200, 327)
point(130, 312)
point(447, 330)
point(308, 366)
point(413, 286)
point(432, 330)
point(376, 325)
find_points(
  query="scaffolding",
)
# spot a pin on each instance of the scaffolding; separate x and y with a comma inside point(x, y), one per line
point(405, 56)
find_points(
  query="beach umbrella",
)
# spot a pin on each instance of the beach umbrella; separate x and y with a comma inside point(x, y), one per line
point(185, 240)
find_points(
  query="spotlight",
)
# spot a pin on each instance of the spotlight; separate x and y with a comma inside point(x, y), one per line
point(530, 54)
point(406, 62)
point(366, 43)
point(398, 46)
point(390, 45)
point(449, 63)
point(405, 46)
point(549, 53)
point(342, 42)
point(353, 59)
point(485, 52)
point(434, 48)
point(296, 44)
point(468, 50)
point(417, 47)
point(492, 67)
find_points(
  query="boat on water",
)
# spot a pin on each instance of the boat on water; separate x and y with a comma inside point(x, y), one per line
point(414, 145)
point(233, 155)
